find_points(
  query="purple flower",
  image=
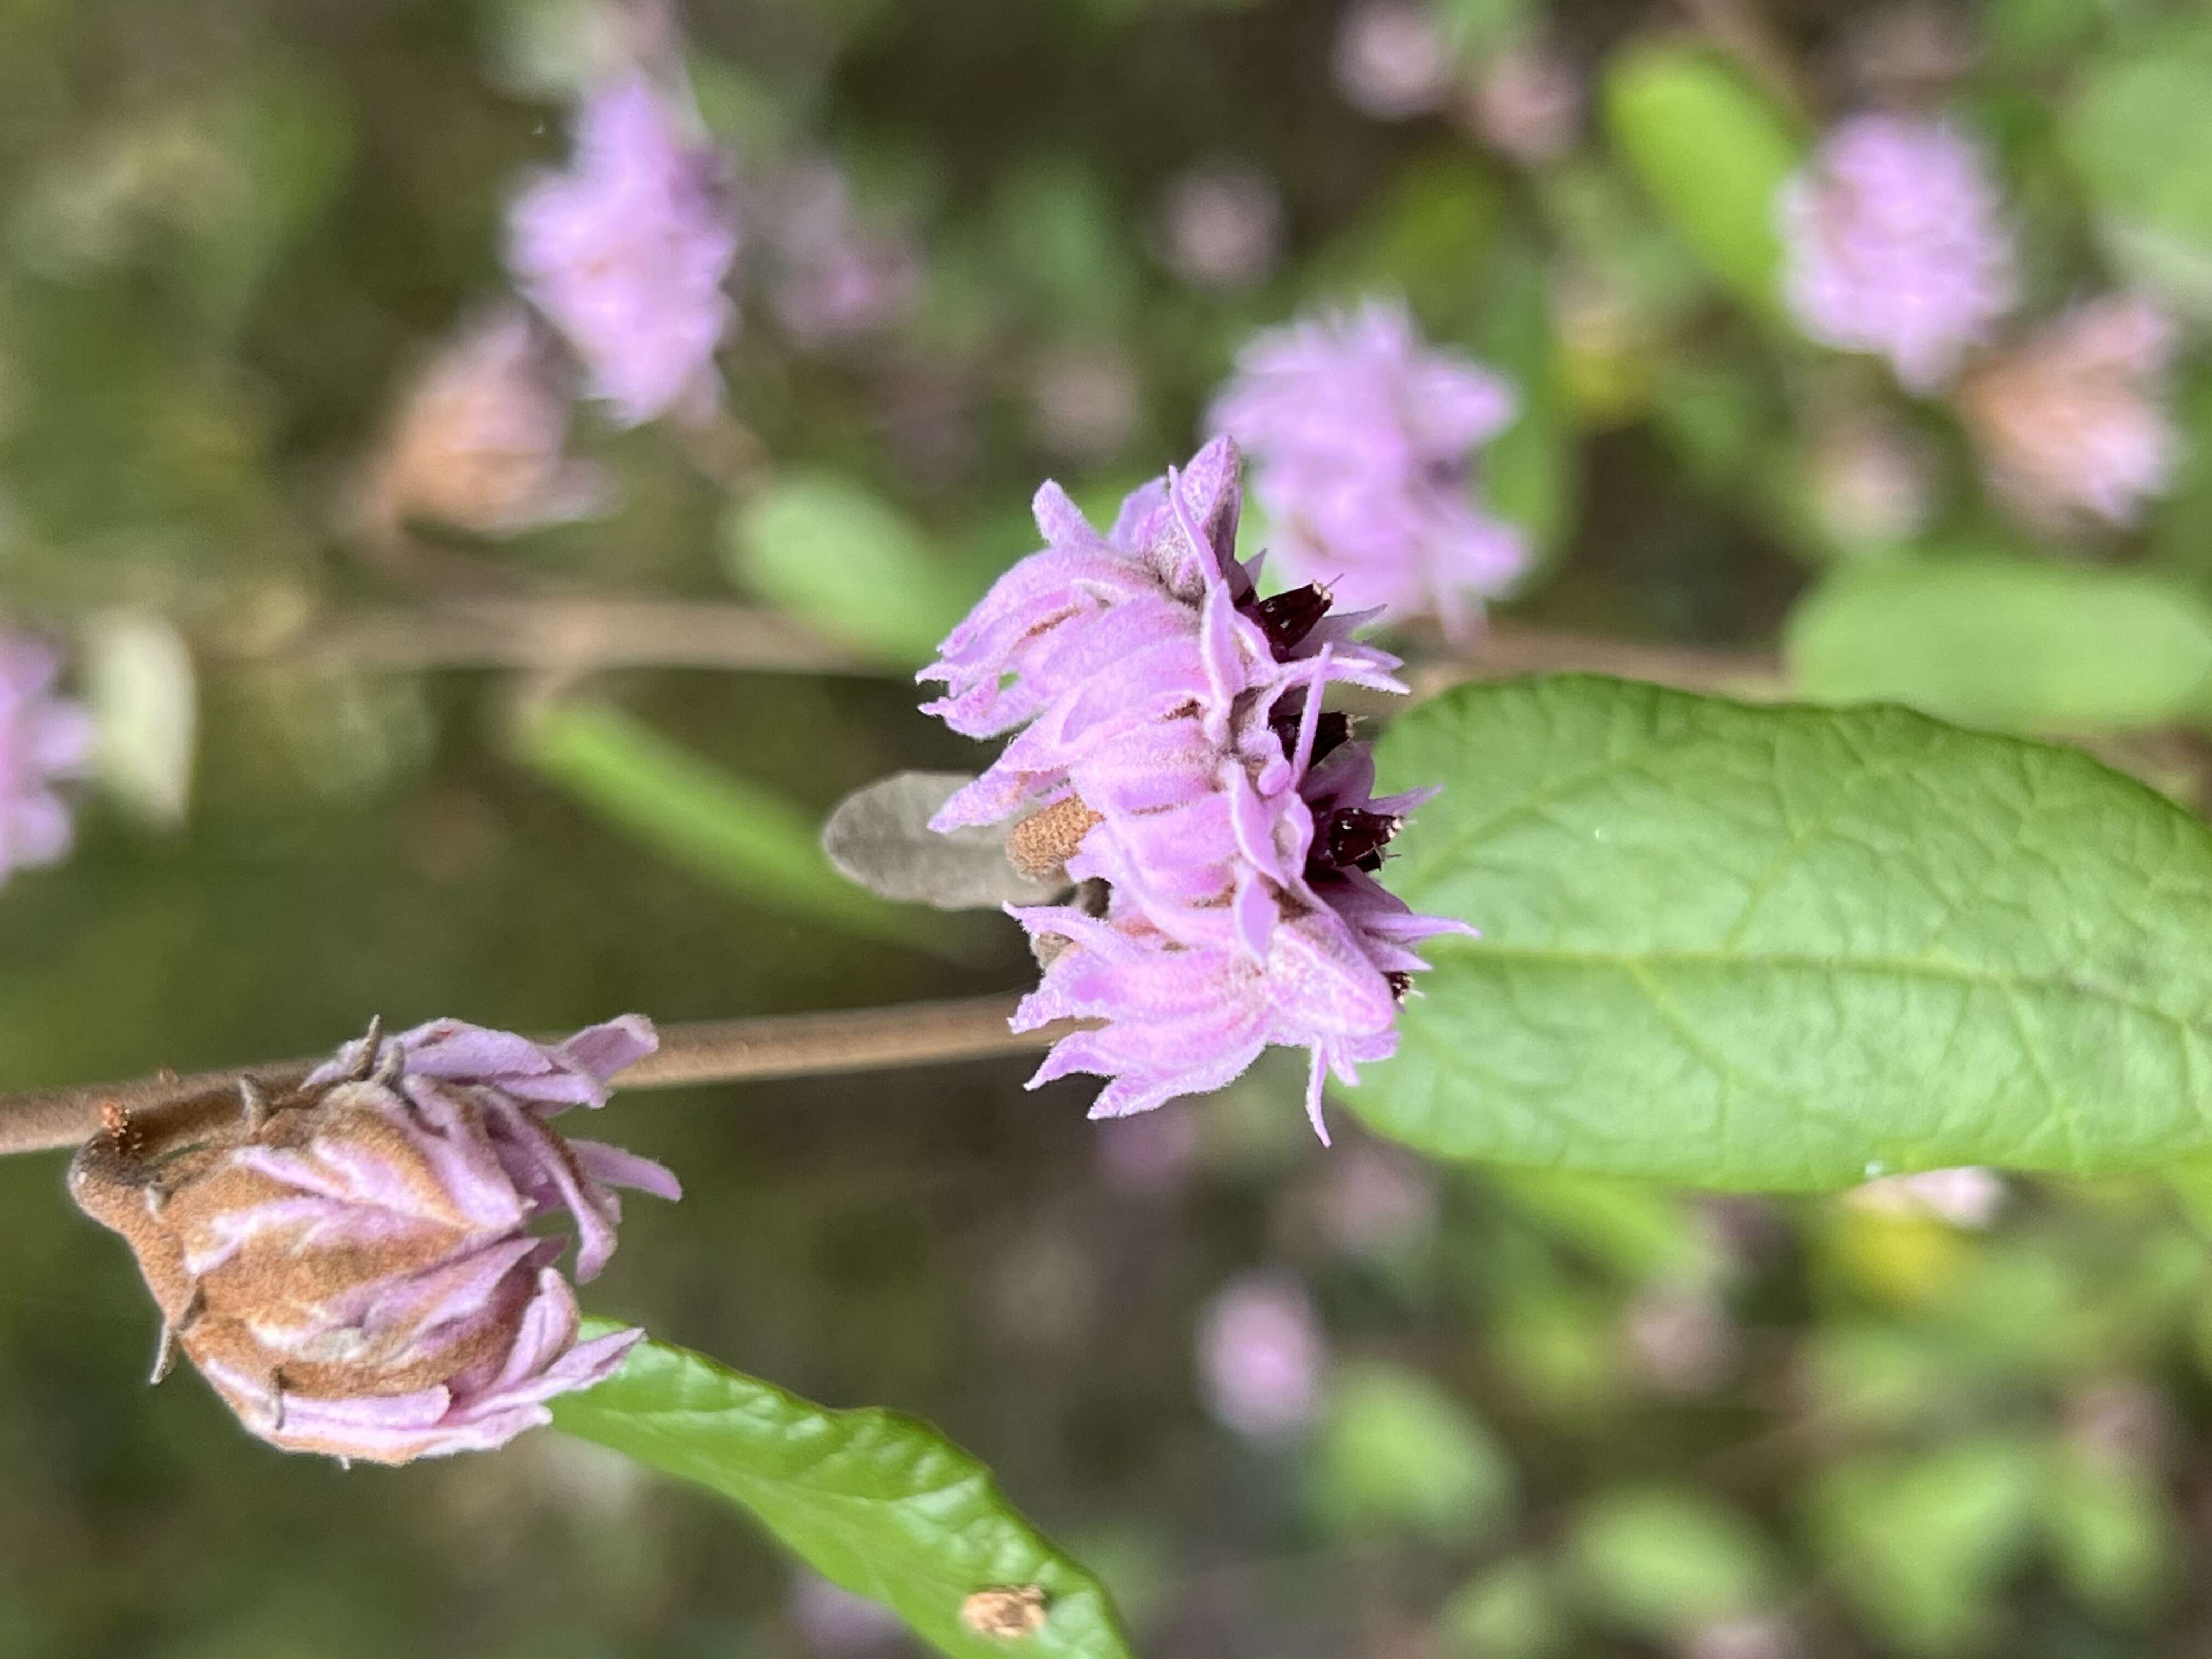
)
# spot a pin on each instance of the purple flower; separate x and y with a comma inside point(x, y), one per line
point(43, 739)
point(1261, 1355)
point(1528, 102)
point(1895, 244)
point(627, 251)
point(2075, 423)
point(1363, 441)
point(837, 275)
point(1221, 225)
point(351, 1265)
point(1392, 60)
point(1174, 741)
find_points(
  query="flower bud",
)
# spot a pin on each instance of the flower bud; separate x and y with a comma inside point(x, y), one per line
point(350, 1264)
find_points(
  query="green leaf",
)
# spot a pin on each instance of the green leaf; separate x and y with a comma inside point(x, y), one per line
point(1397, 1452)
point(2002, 641)
point(1509, 1612)
point(877, 1503)
point(1532, 472)
point(2110, 1531)
point(1667, 1563)
point(1788, 947)
point(2136, 133)
point(1713, 153)
point(1923, 1544)
point(1640, 1233)
point(1428, 240)
point(829, 550)
point(736, 835)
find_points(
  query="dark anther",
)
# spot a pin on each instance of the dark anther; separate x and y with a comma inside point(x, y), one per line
point(1331, 732)
point(1356, 839)
point(1287, 618)
point(1399, 984)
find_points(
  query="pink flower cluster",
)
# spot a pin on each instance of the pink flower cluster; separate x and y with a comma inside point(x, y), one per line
point(1172, 719)
point(1363, 441)
point(1897, 245)
point(43, 740)
point(627, 251)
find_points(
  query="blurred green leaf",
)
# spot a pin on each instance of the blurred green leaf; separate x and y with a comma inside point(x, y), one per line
point(2112, 1533)
point(877, 1502)
point(1509, 1613)
point(1749, 947)
point(831, 551)
point(1713, 154)
point(1665, 1563)
point(738, 836)
point(2006, 641)
point(1922, 1543)
point(1397, 1452)
point(1532, 472)
point(1058, 239)
point(1864, 1375)
point(2137, 131)
point(1639, 1232)
point(1427, 241)
point(1478, 28)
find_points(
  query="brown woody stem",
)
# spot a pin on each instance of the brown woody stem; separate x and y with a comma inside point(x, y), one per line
point(708, 1051)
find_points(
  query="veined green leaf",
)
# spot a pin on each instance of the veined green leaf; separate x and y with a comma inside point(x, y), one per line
point(876, 1502)
point(1789, 947)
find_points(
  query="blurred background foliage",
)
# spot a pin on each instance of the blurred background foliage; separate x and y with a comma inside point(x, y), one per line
point(1290, 1402)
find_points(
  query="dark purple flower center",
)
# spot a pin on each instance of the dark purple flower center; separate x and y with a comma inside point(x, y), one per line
point(1331, 731)
point(1287, 618)
point(1353, 839)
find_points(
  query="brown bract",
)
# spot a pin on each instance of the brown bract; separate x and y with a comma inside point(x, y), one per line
point(182, 1192)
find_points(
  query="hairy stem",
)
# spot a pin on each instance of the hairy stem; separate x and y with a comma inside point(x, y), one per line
point(707, 1051)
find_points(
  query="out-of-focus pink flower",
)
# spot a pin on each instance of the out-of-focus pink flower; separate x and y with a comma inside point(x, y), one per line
point(2075, 423)
point(1261, 1355)
point(835, 1622)
point(480, 436)
point(43, 738)
point(1746, 1636)
point(1175, 739)
point(837, 275)
point(1373, 1201)
point(1221, 225)
point(1896, 244)
point(1873, 482)
point(1527, 102)
point(626, 252)
point(1391, 61)
point(1086, 401)
point(1682, 1339)
point(1150, 1155)
point(1363, 442)
point(1969, 1197)
point(351, 1264)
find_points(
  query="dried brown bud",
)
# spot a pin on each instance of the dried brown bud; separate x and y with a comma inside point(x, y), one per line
point(350, 1264)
